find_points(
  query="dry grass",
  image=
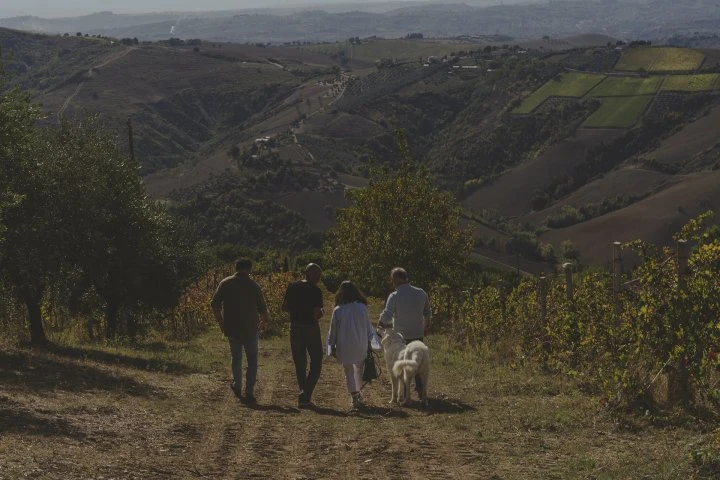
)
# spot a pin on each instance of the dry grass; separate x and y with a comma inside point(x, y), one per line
point(165, 411)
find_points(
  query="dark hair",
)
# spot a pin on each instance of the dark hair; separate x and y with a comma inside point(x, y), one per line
point(348, 293)
point(243, 264)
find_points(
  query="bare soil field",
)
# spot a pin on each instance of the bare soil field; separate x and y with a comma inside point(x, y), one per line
point(694, 138)
point(652, 219)
point(626, 181)
point(151, 74)
point(512, 192)
point(166, 411)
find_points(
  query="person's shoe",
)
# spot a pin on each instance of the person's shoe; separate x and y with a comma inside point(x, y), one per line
point(356, 403)
point(303, 402)
point(250, 400)
point(235, 390)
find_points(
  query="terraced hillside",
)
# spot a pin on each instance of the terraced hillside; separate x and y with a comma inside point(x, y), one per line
point(624, 98)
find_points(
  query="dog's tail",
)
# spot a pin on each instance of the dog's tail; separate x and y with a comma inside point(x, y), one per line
point(407, 366)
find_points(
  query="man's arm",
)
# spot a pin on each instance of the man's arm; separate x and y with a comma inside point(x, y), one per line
point(216, 305)
point(264, 320)
point(285, 307)
point(332, 335)
point(386, 317)
point(218, 316)
point(262, 310)
point(318, 311)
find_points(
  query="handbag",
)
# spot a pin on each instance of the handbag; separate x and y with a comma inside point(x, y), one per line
point(370, 368)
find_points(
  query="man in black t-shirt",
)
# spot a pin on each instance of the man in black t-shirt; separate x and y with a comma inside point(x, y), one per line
point(304, 301)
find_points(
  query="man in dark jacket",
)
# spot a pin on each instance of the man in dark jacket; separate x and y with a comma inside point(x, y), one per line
point(304, 301)
point(240, 310)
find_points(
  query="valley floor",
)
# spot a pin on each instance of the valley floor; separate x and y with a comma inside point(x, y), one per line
point(166, 411)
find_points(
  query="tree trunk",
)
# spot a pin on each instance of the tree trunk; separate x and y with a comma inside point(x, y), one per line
point(680, 385)
point(37, 331)
point(111, 318)
point(131, 326)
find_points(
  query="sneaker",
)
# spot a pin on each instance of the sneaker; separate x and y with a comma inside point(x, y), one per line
point(307, 404)
point(249, 400)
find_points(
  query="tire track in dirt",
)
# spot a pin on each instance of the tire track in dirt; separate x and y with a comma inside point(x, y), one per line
point(206, 461)
point(257, 443)
point(276, 440)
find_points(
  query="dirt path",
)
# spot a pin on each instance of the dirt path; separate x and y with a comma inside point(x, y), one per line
point(163, 412)
point(80, 85)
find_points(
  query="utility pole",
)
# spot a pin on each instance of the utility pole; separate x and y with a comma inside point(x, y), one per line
point(131, 140)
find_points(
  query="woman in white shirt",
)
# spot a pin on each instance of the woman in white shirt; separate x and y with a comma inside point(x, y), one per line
point(351, 335)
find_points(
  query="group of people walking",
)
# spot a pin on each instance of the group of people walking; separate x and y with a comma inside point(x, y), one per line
point(241, 312)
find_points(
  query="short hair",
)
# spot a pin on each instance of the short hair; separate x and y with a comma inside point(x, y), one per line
point(311, 266)
point(399, 273)
point(243, 264)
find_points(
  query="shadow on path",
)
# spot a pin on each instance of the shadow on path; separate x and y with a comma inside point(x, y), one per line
point(445, 405)
point(36, 372)
point(148, 364)
point(274, 408)
point(331, 412)
point(370, 411)
point(15, 418)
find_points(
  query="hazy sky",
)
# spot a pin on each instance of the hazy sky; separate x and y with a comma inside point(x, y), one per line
point(61, 8)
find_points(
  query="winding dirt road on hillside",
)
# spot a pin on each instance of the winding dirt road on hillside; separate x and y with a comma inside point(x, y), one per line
point(80, 85)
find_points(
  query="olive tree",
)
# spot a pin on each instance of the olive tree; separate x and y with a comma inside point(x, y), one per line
point(20, 180)
point(399, 219)
point(130, 249)
point(81, 218)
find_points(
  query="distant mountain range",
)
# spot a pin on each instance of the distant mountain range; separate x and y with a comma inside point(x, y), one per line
point(653, 20)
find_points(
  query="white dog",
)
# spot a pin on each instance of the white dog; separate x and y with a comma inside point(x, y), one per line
point(403, 363)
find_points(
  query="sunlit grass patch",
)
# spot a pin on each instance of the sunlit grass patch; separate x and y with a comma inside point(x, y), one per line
point(622, 86)
point(618, 112)
point(691, 83)
point(564, 85)
point(660, 59)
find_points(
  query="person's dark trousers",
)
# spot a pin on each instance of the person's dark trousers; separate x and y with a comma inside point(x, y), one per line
point(305, 341)
point(418, 380)
point(251, 354)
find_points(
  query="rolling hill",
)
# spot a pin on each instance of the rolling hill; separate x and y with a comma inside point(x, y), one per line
point(656, 21)
point(278, 132)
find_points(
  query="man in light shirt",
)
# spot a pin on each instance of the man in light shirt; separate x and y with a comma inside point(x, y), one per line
point(407, 311)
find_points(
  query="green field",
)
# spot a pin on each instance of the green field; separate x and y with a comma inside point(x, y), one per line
point(618, 112)
point(565, 85)
point(400, 49)
point(660, 59)
point(626, 86)
point(691, 83)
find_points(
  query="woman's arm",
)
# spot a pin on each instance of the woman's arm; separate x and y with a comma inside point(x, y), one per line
point(332, 334)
